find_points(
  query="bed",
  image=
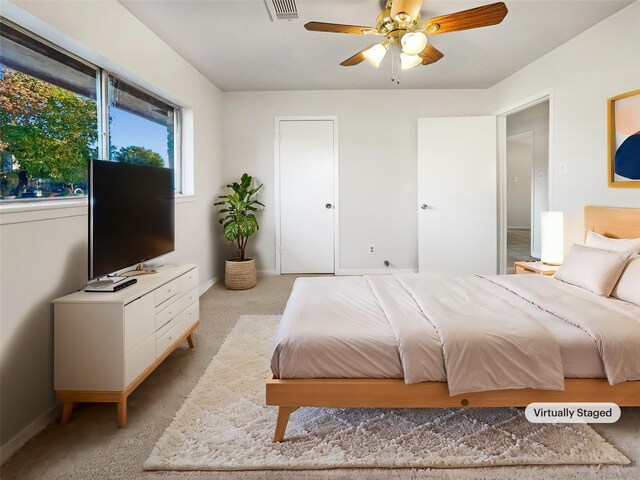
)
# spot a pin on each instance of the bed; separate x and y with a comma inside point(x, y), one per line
point(390, 341)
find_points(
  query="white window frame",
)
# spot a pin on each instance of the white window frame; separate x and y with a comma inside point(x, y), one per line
point(177, 124)
point(34, 209)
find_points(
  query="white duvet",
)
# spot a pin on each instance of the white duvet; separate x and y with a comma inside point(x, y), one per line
point(476, 333)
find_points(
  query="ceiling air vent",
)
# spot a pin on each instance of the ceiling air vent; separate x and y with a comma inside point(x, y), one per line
point(282, 9)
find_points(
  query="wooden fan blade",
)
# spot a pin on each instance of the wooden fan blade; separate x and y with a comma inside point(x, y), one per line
point(339, 28)
point(410, 7)
point(356, 59)
point(473, 18)
point(430, 54)
point(353, 60)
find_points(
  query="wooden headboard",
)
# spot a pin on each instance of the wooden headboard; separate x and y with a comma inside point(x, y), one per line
point(612, 222)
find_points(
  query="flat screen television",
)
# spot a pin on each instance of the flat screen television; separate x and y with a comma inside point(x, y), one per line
point(131, 215)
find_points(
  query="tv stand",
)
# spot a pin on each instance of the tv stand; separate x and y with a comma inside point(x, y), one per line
point(106, 344)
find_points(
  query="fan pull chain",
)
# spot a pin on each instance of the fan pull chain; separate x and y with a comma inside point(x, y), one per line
point(395, 63)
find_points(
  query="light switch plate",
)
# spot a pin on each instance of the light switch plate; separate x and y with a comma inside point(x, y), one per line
point(563, 168)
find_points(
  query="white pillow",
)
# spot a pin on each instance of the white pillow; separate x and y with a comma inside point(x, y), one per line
point(592, 269)
point(596, 240)
point(628, 287)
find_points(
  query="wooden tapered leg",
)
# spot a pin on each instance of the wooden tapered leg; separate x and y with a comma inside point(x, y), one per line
point(281, 423)
point(122, 413)
point(66, 412)
point(191, 340)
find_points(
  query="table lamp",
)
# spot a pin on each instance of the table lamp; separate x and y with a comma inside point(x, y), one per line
point(552, 243)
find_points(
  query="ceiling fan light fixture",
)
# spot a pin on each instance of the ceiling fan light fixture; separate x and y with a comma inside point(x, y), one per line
point(409, 61)
point(413, 43)
point(375, 54)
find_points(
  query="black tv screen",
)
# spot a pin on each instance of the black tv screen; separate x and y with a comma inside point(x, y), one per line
point(131, 215)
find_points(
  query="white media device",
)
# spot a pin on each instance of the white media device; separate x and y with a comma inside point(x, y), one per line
point(111, 284)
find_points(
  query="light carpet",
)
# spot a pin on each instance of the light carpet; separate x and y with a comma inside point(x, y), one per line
point(224, 424)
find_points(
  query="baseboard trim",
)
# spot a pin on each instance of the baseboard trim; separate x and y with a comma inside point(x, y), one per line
point(374, 271)
point(14, 444)
point(267, 273)
point(353, 271)
point(208, 284)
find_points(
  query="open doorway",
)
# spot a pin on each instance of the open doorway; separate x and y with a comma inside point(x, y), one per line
point(527, 181)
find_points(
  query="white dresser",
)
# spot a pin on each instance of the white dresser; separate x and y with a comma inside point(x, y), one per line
point(107, 343)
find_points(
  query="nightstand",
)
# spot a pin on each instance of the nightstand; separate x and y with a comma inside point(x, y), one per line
point(536, 268)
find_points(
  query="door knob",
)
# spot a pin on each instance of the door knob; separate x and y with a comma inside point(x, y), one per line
point(327, 206)
point(424, 206)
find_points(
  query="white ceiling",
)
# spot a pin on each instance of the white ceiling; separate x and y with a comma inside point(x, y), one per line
point(235, 44)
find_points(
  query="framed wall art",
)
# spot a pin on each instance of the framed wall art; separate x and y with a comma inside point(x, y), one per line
point(624, 140)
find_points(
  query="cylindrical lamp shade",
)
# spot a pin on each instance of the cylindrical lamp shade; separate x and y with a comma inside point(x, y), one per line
point(552, 241)
point(375, 54)
point(413, 43)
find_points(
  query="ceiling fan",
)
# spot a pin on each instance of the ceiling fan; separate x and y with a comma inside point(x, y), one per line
point(401, 24)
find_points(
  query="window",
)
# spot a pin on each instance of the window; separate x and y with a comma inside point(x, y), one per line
point(55, 117)
point(141, 127)
point(48, 119)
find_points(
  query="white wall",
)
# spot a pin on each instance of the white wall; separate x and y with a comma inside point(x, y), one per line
point(378, 141)
point(600, 63)
point(534, 119)
point(519, 165)
point(378, 151)
point(47, 258)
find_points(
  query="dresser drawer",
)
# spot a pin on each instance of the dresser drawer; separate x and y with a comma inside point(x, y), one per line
point(139, 321)
point(165, 328)
point(139, 358)
point(523, 271)
point(168, 337)
point(189, 280)
point(166, 291)
point(168, 334)
point(191, 316)
point(164, 316)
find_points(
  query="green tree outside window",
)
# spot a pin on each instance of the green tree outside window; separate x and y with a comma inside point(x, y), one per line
point(49, 134)
point(138, 155)
point(48, 131)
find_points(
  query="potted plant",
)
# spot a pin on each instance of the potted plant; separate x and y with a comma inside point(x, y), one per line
point(238, 224)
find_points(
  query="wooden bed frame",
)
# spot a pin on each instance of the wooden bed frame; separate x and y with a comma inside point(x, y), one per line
point(289, 395)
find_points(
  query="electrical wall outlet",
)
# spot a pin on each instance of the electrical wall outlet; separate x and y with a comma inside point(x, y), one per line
point(372, 249)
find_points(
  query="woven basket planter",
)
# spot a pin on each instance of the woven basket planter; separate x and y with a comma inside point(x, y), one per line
point(240, 275)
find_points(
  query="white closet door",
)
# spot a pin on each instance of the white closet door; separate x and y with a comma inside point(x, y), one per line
point(306, 166)
point(457, 206)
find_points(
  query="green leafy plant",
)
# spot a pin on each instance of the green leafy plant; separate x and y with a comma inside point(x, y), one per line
point(49, 131)
point(139, 156)
point(238, 214)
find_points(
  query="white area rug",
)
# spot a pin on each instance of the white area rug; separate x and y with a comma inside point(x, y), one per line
point(224, 424)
